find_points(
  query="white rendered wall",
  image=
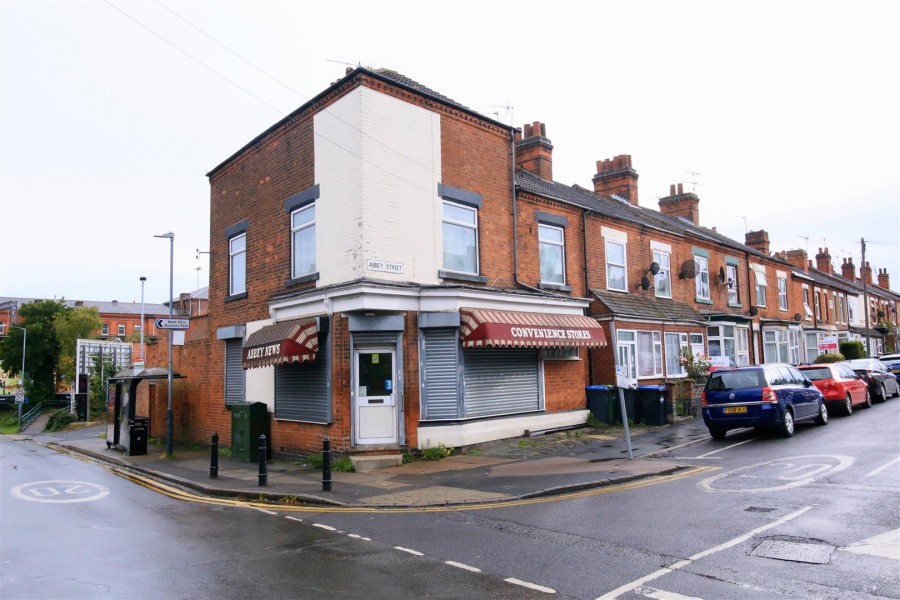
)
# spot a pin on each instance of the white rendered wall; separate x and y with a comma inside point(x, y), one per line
point(378, 166)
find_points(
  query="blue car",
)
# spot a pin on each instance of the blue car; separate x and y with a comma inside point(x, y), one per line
point(774, 396)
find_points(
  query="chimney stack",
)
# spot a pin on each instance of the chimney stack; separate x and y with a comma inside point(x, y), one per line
point(679, 204)
point(848, 269)
point(534, 152)
point(823, 261)
point(616, 177)
point(865, 273)
point(883, 279)
point(798, 258)
point(758, 240)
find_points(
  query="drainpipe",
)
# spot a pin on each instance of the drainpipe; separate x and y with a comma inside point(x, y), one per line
point(587, 288)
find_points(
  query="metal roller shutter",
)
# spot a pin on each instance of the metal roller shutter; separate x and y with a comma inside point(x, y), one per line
point(440, 374)
point(301, 391)
point(375, 338)
point(501, 381)
point(234, 372)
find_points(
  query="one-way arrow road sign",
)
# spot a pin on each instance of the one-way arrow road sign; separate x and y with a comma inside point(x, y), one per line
point(173, 323)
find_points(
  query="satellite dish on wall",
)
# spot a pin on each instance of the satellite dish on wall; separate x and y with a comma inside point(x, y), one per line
point(721, 278)
point(654, 268)
point(645, 283)
point(688, 269)
point(798, 317)
point(754, 311)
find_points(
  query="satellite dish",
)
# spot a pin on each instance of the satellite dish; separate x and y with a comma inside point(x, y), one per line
point(688, 269)
point(721, 278)
point(798, 317)
point(754, 311)
point(645, 283)
point(654, 268)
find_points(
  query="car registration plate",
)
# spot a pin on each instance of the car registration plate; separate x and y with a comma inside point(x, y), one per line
point(728, 410)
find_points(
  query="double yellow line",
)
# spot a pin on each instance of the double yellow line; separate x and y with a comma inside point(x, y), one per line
point(180, 494)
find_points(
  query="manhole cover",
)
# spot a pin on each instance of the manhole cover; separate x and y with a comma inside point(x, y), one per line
point(794, 551)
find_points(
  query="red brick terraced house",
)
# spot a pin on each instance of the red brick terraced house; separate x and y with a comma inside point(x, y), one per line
point(392, 270)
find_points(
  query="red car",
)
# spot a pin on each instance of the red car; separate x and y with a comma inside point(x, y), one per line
point(841, 387)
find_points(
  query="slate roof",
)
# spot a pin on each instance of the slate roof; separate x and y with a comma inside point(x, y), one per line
point(638, 306)
point(823, 278)
point(103, 307)
point(622, 210)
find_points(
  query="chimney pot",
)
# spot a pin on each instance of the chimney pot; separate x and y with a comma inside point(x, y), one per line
point(615, 176)
point(529, 131)
point(680, 189)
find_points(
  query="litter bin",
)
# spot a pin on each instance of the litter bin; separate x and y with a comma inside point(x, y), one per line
point(81, 407)
point(138, 429)
point(632, 405)
point(653, 404)
point(602, 402)
point(248, 422)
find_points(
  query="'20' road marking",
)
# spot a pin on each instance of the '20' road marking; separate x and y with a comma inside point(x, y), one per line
point(60, 491)
point(776, 475)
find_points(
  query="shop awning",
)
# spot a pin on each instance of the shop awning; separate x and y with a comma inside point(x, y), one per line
point(482, 328)
point(281, 343)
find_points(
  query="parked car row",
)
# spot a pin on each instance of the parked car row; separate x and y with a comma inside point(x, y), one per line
point(778, 395)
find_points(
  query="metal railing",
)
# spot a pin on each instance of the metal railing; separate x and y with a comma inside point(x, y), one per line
point(31, 415)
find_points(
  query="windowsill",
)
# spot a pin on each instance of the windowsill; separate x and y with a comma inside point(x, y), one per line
point(663, 297)
point(609, 289)
point(302, 279)
point(471, 277)
point(703, 301)
point(234, 297)
point(556, 286)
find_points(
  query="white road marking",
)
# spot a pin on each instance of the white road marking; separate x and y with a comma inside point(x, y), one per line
point(725, 448)
point(882, 467)
point(797, 474)
point(650, 592)
point(886, 545)
point(325, 527)
point(60, 491)
point(299, 520)
point(410, 550)
point(366, 539)
point(462, 566)
point(531, 586)
point(354, 536)
point(268, 512)
point(628, 587)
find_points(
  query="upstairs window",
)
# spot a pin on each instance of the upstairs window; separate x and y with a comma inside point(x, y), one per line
point(121, 329)
point(104, 330)
point(460, 227)
point(818, 307)
point(782, 294)
point(552, 246)
point(760, 276)
point(303, 241)
point(732, 281)
point(662, 281)
point(615, 266)
point(701, 280)
point(237, 264)
point(807, 311)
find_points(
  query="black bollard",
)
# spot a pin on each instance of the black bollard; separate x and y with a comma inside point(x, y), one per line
point(326, 464)
point(263, 473)
point(214, 457)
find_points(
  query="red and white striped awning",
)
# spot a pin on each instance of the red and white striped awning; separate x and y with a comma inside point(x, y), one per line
point(281, 343)
point(481, 328)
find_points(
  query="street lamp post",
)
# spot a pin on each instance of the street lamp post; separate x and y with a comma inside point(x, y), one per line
point(22, 372)
point(171, 237)
point(143, 280)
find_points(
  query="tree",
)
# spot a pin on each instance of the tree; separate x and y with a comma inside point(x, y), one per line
point(74, 324)
point(41, 347)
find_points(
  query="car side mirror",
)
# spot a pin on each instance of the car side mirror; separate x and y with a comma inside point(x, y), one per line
point(807, 383)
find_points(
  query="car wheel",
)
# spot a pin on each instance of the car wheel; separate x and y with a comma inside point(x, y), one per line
point(717, 433)
point(848, 405)
point(883, 396)
point(822, 419)
point(787, 424)
point(897, 394)
point(868, 402)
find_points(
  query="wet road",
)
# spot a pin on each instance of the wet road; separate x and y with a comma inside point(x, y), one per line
point(813, 516)
point(73, 529)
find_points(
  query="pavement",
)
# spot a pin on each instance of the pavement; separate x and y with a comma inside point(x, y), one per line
point(493, 472)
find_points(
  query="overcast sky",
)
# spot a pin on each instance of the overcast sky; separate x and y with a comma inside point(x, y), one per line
point(113, 112)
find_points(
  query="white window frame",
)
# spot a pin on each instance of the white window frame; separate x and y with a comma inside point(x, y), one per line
point(296, 232)
point(742, 346)
point(236, 258)
point(782, 293)
point(794, 345)
point(682, 341)
point(811, 350)
point(655, 354)
point(626, 354)
point(561, 244)
point(775, 345)
point(818, 305)
point(2, 327)
point(759, 274)
point(445, 220)
point(664, 260)
point(104, 329)
point(807, 311)
point(701, 280)
point(733, 295)
point(120, 329)
point(623, 265)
